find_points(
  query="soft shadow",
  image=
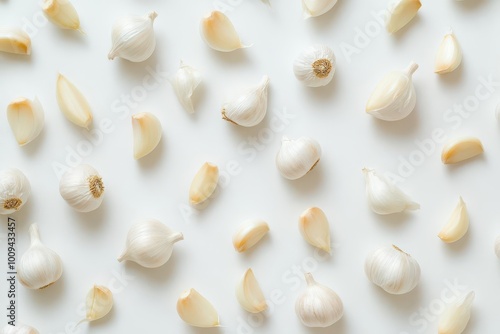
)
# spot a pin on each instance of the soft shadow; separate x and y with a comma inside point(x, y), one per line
point(404, 304)
point(340, 327)
point(12, 57)
point(478, 159)
point(152, 160)
point(91, 221)
point(405, 127)
point(453, 78)
point(159, 275)
point(50, 296)
point(325, 93)
point(470, 4)
point(400, 34)
point(395, 219)
point(198, 330)
point(324, 22)
point(309, 183)
point(233, 58)
point(68, 36)
point(137, 71)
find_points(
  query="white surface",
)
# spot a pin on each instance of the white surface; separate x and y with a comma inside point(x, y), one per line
point(157, 186)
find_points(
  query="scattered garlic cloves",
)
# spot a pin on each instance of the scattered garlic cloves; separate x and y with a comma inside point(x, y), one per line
point(15, 190)
point(147, 133)
point(196, 310)
point(61, 13)
point(457, 225)
point(315, 66)
point(457, 315)
point(72, 103)
point(15, 40)
point(297, 157)
point(249, 234)
point(249, 293)
point(26, 119)
point(313, 8)
point(82, 188)
point(219, 33)
point(401, 13)
point(184, 83)
point(449, 55)
point(204, 183)
point(19, 329)
point(314, 227)
point(460, 149)
point(99, 303)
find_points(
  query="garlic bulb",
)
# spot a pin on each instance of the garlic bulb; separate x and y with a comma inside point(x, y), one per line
point(218, 32)
point(392, 269)
point(26, 119)
point(15, 40)
point(133, 38)
point(313, 226)
point(297, 157)
point(249, 234)
point(61, 13)
point(39, 266)
point(457, 225)
point(72, 103)
point(250, 107)
point(315, 66)
point(15, 189)
point(460, 149)
point(147, 133)
point(204, 183)
point(449, 55)
point(98, 303)
point(249, 293)
point(184, 83)
point(318, 306)
point(313, 8)
point(394, 98)
point(82, 188)
point(19, 329)
point(457, 315)
point(384, 197)
point(497, 246)
point(401, 13)
point(150, 244)
point(196, 310)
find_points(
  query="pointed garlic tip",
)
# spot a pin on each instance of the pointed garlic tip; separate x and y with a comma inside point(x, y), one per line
point(449, 55)
point(99, 303)
point(460, 149)
point(61, 13)
point(204, 183)
point(147, 133)
point(15, 40)
point(19, 329)
point(219, 33)
point(249, 293)
point(314, 227)
point(26, 119)
point(196, 310)
point(401, 13)
point(457, 225)
point(249, 234)
point(15, 190)
point(72, 103)
point(297, 157)
point(184, 84)
point(82, 188)
point(313, 8)
point(315, 66)
point(456, 316)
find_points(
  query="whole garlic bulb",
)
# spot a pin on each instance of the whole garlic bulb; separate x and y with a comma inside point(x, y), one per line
point(318, 306)
point(82, 188)
point(26, 119)
point(19, 329)
point(133, 38)
point(312, 8)
point(184, 83)
point(315, 66)
point(150, 244)
point(297, 157)
point(39, 266)
point(15, 190)
point(392, 269)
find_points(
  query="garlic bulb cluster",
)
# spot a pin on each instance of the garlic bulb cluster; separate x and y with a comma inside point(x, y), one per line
point(98, 303)
point(61, 13)
point(219, 33)
point(26, 119)
point(249, 234)
point(250, 107)
point(449, 55)
point(204, 183)
point(249, 293)
point(82, 188)
point(384, 197)
point(394, 98)
point(39, 266)
point(297, 157)
point(315, 66)
point(15, 189)
point(15, 40)
point(401, 13)
point(184, 83)
point(314, 227)
point(392, 269)
point(72, 103)
point(133, 38)
point(147, 133)
point(19, 329)
point(150, 244)
point(457, 225)
point(459, 149)
point(318, 305)
point(196, 310)
point(457, 315)
point(312, 8)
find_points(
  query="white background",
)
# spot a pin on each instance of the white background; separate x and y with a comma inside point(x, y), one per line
point(157, 186)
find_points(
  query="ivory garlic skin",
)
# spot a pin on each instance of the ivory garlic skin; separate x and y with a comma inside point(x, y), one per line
point(26, 119)
point(61, 13)
point(315, 66)
point(401, 13)
point(313, 8)
point(297, 157)
point(314, 227)
point(72, 103)
point(449, 56)
point(133, 38)
point(40, 266)
point(392, 269)
point(455, 318)
point(318, 305)
point(219, 33)
point(249, 234)
point(19, 329)
point(15, 190)
point(196, 310)
point(459, 149)
point(249, 293)
point(15, 40)
point(82, 188)
point(147, 133)
point(457, 225)
point(204, 183)
point(184, 84)
point(98, 303)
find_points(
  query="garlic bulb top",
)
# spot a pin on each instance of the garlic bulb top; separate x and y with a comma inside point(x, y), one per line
point(15, 40)
point(449, 55)
point(312, 8)
point(26, 119)
point(82, 188)
point(133, 38)
point(15, 190)
point(315, 66)
point(61, 13)
point(394, 98)
point(19, 329)
point(297, 157)
point(184, 83)
point(219, 33)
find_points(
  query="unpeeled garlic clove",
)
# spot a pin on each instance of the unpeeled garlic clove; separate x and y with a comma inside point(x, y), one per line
point(457, 225)
point(314, 227)
point(315, 66)
point(196, 310)
point(449, 55)
point(147, 133)
point(401, 13)
point(249, 234)
point(99, 303)
point(219, 33)
point(460, 149)
point(297, 157)
point(184, 83)
point(15, 40)
point(19, 329)
point(72, 103)
point(204, 183)
point(457, 315)
point(61, 13)
point(313, 8)
point(26, 119)
point(249, 293)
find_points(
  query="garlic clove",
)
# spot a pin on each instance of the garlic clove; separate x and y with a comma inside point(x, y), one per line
point(449, 55)
point(297, 157)
point(15, 40)
point(457, 225)
point(250, 107)
point(249, 234)
point(219, 33)
point(204, 183)
point(184, 83)
point(15, 190)
point(315, 66)
point(313, 8)
point(401, 13)
point(196, 310)
point(82, 188)
point(26, 119)
point(62, 13)
point(19, 329)
point(99, 303)
point(457, 315)
point(249, 293)
point(460, 149)
point(497, 246)
point(313, 226)
point(147, 133)
point(72, 103)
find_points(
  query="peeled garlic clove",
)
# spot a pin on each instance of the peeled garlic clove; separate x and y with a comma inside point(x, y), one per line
point(449, 55)
point(392, 269)
point(147, 133)
point(99, 303)
point(26, 119)
point(61, 13)
point(249, 234)
point(82, 188)
point(219, 33)
point(184, 83)
point(39, 266)
point(460, 149)
point(72, 103)
point(15, 40)
point(457, 225)
point(457, 315)
point(318, 306)
point(313, 8)
point(133, 38)
point(19, 329)
point(297, 157)
point(197, 311)
point(204, 183)
point(249, 293)
point(150, 244)
point(401, 13)
point(250, 107)
point(15, 190)
point(384, 197)
point(315, 66)
point(313, 226)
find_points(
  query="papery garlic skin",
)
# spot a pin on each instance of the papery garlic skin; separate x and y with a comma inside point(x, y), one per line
point(184, 84)
point(133, 38)
point(313, 8)
point(297, 157)
point(250, 107)
point(401, 13)
point(19, 329)
point(315, 66)
point(457, 225)
point(15, 40)
point(72, 103)
point(196, 310)
point(82, 188)
point(449, 55)
point(204, 183)
point(314, 227)
point(15, 190)
point(150, 244)
point(39, 266)
point(459, 149)
point(98, 303)
point(219, 33)
point(385, 198)
point(61, 13)
point(147, 133)
point(392, 269)
point(455, 318)
point(394, 98)
point(318, 305)
point(249, 293)
point(249, 234)
point(26, 119)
